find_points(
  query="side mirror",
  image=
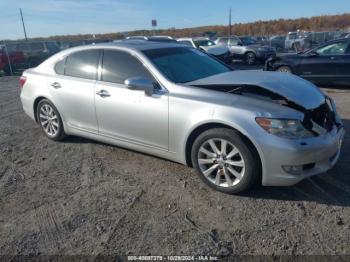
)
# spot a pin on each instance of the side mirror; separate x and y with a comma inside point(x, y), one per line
point(140, 83)
point(239, 44)
point(312, 54)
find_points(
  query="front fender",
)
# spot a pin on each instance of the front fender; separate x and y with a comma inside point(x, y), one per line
point(273, 63)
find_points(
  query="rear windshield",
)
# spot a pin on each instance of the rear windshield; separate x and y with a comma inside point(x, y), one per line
point(183, 64)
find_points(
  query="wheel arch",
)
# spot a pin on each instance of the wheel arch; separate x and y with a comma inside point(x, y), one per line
point(249, 51)
point(206, 126)
point(35, 106)
point(277, 66)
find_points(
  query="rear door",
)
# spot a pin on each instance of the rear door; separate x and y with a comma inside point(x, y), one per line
point(72, 89)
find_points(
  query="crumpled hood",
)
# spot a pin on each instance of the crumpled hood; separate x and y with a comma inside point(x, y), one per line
point(289, 86)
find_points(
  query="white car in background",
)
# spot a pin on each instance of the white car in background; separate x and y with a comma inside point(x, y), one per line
point(209, 46)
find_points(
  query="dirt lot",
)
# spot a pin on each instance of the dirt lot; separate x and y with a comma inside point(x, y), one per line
point(83, 197)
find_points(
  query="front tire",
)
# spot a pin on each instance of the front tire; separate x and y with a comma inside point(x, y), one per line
point(225, 161)
point(50, 120)
point(284, 69)
point(250, 58)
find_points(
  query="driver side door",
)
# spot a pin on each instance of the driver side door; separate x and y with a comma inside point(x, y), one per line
point(129, 115)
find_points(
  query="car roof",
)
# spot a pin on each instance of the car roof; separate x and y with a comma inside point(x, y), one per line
point(138, 44)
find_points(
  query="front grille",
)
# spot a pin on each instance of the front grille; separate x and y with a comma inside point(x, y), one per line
point(322, 115)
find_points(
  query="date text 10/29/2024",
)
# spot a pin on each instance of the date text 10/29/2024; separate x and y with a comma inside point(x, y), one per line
point(172, 258)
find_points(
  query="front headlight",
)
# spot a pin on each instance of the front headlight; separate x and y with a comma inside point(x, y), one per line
point(286, 128)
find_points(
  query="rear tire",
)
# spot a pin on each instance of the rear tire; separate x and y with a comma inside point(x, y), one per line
point(225, 160)
point(50, 120)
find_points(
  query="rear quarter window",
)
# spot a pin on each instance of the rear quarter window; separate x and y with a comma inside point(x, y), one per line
point(82, 64)
point(59, 67)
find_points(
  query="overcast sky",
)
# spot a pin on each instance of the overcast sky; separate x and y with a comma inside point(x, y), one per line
point(60, 17)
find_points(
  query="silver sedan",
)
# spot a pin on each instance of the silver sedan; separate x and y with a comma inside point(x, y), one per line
point(236, 128)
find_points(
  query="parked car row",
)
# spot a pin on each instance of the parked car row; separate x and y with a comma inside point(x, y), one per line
point(223, 48)
point(34, 52)
point(246, 48)
point(10, 60)
point(326, 64)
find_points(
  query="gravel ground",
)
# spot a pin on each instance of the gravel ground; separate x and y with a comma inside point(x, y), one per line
point(83, 197)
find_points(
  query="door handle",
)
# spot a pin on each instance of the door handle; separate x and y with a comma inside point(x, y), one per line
point(103, 93)
point(56, 85)
point(333, 58)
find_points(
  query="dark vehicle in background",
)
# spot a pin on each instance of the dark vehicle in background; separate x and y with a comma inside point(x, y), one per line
point(11, 60)
point(278, 42)
point(246, 48)
point(34, 52)
point(326, 64)
point(298, 41)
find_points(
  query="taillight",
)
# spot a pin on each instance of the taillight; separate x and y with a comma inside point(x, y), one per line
point(22, 81)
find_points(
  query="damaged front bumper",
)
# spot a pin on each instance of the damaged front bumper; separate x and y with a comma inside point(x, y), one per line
point(287, 162)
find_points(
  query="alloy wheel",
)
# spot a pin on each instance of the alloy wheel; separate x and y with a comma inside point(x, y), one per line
point(250, 59)
point(284, 69)
point(49, 120)
point(221, 162)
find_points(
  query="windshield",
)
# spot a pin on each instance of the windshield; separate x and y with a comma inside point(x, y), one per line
point(199, 43)
point(248, 40)
point(182, 64)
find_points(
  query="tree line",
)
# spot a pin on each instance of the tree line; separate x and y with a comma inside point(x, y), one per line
point(272, 27)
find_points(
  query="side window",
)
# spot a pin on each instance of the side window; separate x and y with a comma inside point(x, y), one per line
point(186, 42)
point(292, 36)
point(333, 49)
point(52, 47)
point(223, 41)
point(36, 46)
point(234, 41)
point(23, 47)
point(118, 66)
point(82, 64)
point(59, 67)
point(11, 48)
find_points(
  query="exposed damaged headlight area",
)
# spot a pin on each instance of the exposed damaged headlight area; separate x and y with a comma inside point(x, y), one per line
point(286, 128)
point(317, 121)
point(321, 119)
